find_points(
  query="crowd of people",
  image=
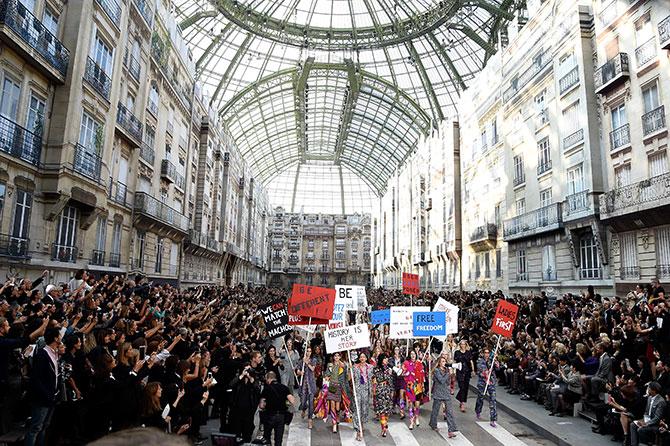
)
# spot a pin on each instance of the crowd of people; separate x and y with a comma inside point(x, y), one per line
point(99, 355)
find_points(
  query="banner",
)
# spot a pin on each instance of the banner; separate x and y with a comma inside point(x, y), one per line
point(402, 322)
point(451, 314)
point(505, 318)
point(339, 315)
point(353, 296)
point(276, 319)
point(429, 323)
point(380, 317)
point(347, 338)
point(302, 321)
point(410, 284)
point(311, 301)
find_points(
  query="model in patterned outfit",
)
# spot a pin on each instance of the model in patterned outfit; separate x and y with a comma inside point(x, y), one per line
point(484, 368)
point(362, 382)
point(308, 388)
point(442, 395)
point(414, 379)
point(335, 377)
point(395, 363)
point(383, 385)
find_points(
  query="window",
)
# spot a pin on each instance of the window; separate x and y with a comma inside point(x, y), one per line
point(498, 263)
point(478, 270)
point(9, 104)
point(50, 21)
point(545, 197)
point(571, 119)
point(575, 179)
point(663, 252)
point(116, 238)
point(619, 118)
point(159, 255)
point(658, 164)
point(622, 175)
point(497, 215)
point(29, 4)
point(67, 226)
point(539, 100)
point(521, 270)
point(3, 190)
point(650, 97)
point(87, 133)
point(487, 265)
point(544, 156)
point(21, 223)
point(139, 249)
point(520, 206)
point(643, 30)
point(589, 260)
point(101, 234)
point(518, 170)
point(628, 253)
point(102, 55)
point(548, 263)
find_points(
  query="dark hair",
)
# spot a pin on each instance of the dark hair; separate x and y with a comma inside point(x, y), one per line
point(70, 341)
point(79, 274)
point(655, 386)
point(51, 334)
point(380, 360)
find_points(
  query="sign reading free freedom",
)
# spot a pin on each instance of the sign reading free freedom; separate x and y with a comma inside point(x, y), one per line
point(429, 323)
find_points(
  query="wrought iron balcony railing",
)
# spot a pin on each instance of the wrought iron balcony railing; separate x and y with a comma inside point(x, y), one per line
point(118, 192)
point(519, 180)
point(569, 80)
point(133, 65)
point(610, 72)
point(20, 142)
point(591, 273)
point(544, 219)
point(577, 203)
point(129, 122)
point(87, 162)
point(147, 153)
point(97, 257)
point(64, 253)
point(518, 83)
point(620, 137)
point(148, 205)
point(573, 139)
point(653, 121)
point(544, 167)
point(645, 194)
point(664, 33)
point(170, 173)
point(629, 273)
point(488, 231)
point(114, 259)
point(646, 52)
point(112, 9)
point(663, 271)
point(145, 11)
point(32, 31)
point(97, 78)
point(15, 247)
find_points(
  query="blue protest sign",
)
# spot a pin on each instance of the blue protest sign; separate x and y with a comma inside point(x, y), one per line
point(380, 317)
point(429, 323)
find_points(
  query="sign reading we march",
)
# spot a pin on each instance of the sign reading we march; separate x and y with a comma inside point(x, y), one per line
point(347, 338)
point(276, 319)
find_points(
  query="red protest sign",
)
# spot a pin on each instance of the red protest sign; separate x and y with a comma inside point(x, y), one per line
point(505, 318)
point(410, 284)
point(311, 301)
point(296, 319)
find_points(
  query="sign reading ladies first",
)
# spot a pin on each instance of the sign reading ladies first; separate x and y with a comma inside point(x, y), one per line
point(347, 338)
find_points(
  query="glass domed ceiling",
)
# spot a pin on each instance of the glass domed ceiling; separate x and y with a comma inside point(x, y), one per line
point(350, 83)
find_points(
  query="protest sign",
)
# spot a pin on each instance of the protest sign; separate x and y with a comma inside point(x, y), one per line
point(347, 338)
point(451, 314)
point(276, 319)
point(402, 322)
point(311, 301)
point(429, 323)
point(339, 315)
point(380, 317)
point(410, 284)
point(350, 295)
point(505, 318)
point(302, 321)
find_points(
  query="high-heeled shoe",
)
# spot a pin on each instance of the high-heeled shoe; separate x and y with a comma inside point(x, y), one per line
point(309, 424)
point(384, 432)
point(411, 424)
point(335, 428)
point(359, 437)
point(418, 421)
point(302, 414)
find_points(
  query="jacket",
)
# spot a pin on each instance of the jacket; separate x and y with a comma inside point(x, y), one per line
point(605, 368)
point(43, 379)
point(441, 384)
point(655, 410)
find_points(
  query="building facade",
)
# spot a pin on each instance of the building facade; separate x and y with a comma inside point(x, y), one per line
point(632, 83)
point(319, 249)
point(109, 159)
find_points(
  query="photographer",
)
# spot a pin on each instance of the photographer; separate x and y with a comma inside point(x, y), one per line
point(246, 389)
point(275, 399)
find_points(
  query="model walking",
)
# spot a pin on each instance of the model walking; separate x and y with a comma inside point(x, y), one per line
point(308, 388)
point(486, 367)
point(414, 378)
point(395, 362)
point(463, 356)
point(442, 395)
point(383, 385)
point(362, 382)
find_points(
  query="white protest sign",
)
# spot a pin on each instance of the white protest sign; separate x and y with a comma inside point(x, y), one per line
point(351, 296)
point(347, 338)
point(402, 322)
point(451, 311)
point(339, 314)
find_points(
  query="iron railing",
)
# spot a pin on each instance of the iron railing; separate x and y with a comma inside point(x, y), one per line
point(544, 167)
point(133, 65)
point(522, 277)
point(20, 142)
point(97, 78)
point(97, 257)
point(645, 52)
point(145, 11)
point(152, 107)
point(147, 153)
point(590, 273)
point(33, 32)
point(114, 259)
point(87, 163)
point(608, 12)
point(632, 196)
point(170, 173)
point(518, 83)
point(576, 203)
point(118, 192)
point(64, 253)
point(573, 139)
point(653, 121)
point(484, 232)
point(148, 205)
point(112, 9)
point(663, 271)
point(569, 80)
point(129, 122)
point(620, 137)
point(549, 275)
point(519, 179)
point(539, 220)
point(542, 117)
point(15, 247)
point(629, 272)
point(610, 70)
point(664, 32)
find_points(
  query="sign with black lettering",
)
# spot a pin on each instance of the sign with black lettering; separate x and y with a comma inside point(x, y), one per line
point(311, 301)
point(347, 338)
point(275, 317)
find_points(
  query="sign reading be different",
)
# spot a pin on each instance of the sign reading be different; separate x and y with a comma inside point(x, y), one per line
point(311, 301)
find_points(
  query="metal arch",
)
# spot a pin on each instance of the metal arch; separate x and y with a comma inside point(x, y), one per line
point(210, 51)
point(453, 72)
point(353, 88)
point(300, 102)
point(499, 22)
point(196, 17)
point(427, 84)
point(227, 76)
point(333, 38)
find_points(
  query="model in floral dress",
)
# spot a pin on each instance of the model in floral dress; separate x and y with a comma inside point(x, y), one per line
point(333, 396)
point(414, 384)
point(395, 363)
point(383, 385)
point(362, 383)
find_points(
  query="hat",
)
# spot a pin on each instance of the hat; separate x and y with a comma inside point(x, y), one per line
point(51, 288)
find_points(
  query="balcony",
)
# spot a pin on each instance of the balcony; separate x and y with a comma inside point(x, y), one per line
point(87, 162)
point(611, 74)
point(620, 137)
point(169, 173)
point(204, 241)
point(573, 139)
point(28, 35)
point(641, 196)
point(145, 11)
point(19, 142)
point(540, 62)
point(629, 273)
point(114, 260)
point(545, 219)
point(97, 78)
point(160, 212)
point(325, 257)
point(118, 192)
point(112, 9)
point(646, 52)
point(664, 33)
point(544, 167)
point(653, 121)
point(14, 247)
point(577, 204)
point(293, 270)
point(97, 258)
point(484, 237)
point(152, 107)
point(64, 253)
point(542, 119)
point(133, 65)
point(519, 180)
point(147, 154)
point(663, 271)
point(129, 123)
point(590, 273)
point(568, 81)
